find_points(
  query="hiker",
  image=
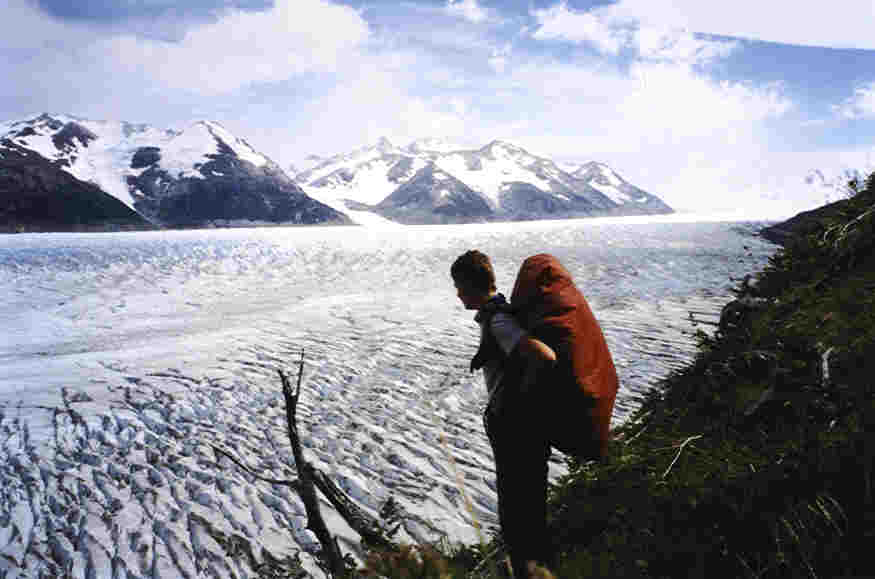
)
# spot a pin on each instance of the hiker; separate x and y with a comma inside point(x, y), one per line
point(550, 382)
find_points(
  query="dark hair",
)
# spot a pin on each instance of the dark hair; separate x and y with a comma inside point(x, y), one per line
point(473, 269)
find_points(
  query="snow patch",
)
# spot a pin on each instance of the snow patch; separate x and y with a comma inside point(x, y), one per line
point(370, 183)
point(367, 218)
point(493, 174)
point(240, 147)
point(187, 150)
point(608, 173)
point(611, 192)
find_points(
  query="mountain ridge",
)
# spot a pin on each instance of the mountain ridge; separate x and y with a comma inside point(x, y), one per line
point(201, 175)
point(514, 183)
point(204, 175)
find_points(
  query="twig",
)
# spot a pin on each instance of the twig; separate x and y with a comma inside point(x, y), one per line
point(701, 313)
point(639, 433)
point(680, 450)
point(289, 483)
point(639, 420)
point(485, 560)
point(455, 468)
point(461, 486)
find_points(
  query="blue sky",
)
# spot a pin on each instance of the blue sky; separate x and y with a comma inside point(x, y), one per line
point(709, 105)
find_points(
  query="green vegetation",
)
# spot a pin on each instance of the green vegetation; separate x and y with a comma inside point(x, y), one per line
point(753, 461)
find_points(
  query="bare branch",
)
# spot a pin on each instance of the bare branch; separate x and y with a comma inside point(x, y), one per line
point(289, 483)
point(680, 450)
point(330, 550)
point(309, 479)
point(361, 522)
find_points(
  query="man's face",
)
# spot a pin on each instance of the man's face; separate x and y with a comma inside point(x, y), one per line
point(471, 298)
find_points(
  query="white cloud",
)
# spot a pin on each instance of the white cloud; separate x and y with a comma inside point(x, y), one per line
point(655, 104)
point(365, 106)
point(676, 45)
point(293, 37)
point(468, 9)
point(675, 99)
point(839, 24)
point(861, 105)
point(609, 31)
point(560, 23)
point(498, 60)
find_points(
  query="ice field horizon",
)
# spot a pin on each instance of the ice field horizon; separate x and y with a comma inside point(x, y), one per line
point(126, 357)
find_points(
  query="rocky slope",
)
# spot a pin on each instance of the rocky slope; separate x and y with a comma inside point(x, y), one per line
point(199, 176)
point(432, 195)
point(38, 195)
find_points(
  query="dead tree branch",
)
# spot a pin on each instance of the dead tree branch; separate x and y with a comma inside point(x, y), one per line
point(330, 550)
point(311, 478)
point(289, 483)
point(368, 528)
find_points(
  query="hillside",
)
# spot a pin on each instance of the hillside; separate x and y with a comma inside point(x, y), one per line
point(756, 459)
point(36, 195)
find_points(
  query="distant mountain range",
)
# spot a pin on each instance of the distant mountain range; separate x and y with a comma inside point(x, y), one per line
point(59, 172)
point(432, 181)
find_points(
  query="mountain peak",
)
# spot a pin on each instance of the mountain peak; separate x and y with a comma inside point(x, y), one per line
point(499, 146)
point(384, 145)
point(597, 170)
point(49, 120)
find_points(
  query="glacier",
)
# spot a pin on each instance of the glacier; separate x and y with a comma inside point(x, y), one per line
point(128, 358)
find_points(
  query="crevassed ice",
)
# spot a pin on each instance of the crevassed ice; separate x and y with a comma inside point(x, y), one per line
point(167, 345)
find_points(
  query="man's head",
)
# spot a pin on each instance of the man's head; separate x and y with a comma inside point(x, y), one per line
point(474, 279)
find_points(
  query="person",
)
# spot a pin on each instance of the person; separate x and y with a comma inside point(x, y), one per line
point(514, 411)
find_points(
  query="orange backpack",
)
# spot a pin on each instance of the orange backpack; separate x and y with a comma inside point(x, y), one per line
point(584, 382)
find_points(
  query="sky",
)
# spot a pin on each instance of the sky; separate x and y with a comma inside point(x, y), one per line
point(708, 105)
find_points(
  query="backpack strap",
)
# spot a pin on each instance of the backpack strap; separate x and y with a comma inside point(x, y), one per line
point(489, 348)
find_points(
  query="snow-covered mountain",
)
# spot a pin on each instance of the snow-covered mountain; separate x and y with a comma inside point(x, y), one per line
point(197, 176)
point(434, 181)
point(37, 195)
point(433, 195)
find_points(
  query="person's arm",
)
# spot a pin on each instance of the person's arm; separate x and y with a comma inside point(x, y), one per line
point(511, 337)
point(538, 356)
point(534, 351)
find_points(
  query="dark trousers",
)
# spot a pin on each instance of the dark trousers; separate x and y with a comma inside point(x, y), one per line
point(521, 449)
